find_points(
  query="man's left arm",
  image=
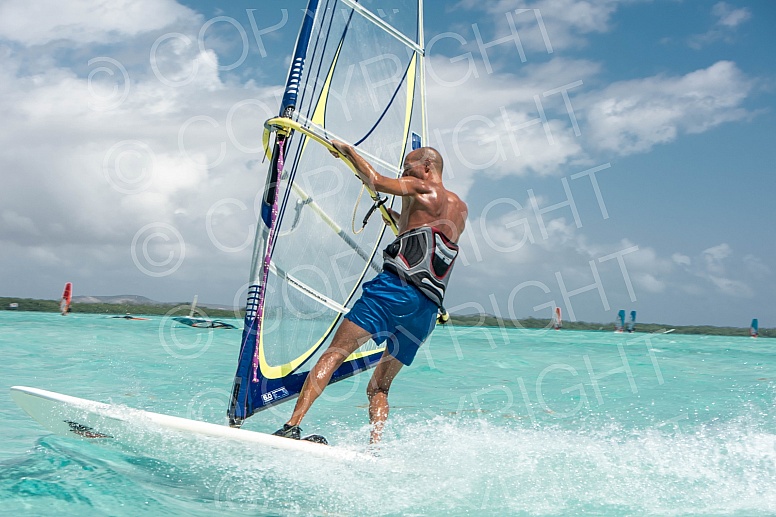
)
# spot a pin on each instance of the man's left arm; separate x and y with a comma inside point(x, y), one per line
point(405, 186)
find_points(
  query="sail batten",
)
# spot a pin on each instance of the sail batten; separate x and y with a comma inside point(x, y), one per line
point(307, 290)
point(355, 76)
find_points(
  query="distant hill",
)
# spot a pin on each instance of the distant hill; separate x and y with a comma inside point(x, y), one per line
point(124, 299)
point(120, 304)
point(133, 299)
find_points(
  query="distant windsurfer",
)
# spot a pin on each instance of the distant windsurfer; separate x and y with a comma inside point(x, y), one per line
point(399, 306)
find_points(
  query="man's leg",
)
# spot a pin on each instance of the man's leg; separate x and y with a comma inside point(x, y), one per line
point(347, 339)
point(377, 391)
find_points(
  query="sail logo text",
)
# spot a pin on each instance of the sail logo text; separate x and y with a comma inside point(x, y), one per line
point(279, 393)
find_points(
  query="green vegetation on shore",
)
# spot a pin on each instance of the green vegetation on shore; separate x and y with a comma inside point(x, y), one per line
point(477, 320)
point(160, 309)
point(482, 320)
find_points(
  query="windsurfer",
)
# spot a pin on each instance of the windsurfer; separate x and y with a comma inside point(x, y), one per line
point(400, 304)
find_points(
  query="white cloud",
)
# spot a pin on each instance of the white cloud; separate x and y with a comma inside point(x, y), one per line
point(499, 131)
point(85, 21)
point(728, 21)
point(682, 260)
point(565, 22)
point(44, 256)
point(716, 267)
point(13, 222)
point(507, 256)
point(756, 266)
point(718, 252)
point(730, 17)
point(633, 116)
point(647, 259)
point(712, 267)
point(514, 143)
point(92, 166)
point(732, 287)
point(714, 258)
point(649, 283)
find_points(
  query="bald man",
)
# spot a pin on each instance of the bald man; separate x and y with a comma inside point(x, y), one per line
point(400, 304)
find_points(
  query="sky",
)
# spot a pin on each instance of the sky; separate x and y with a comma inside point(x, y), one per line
point(613, 154)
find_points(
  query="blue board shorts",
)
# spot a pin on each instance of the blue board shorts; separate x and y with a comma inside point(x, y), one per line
point(393, 310)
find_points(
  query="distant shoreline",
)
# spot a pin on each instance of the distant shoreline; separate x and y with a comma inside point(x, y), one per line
point(483, 320)
point(136, 309)
point(476, 320)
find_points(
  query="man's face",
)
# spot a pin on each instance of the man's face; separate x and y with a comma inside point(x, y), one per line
point(413, 166)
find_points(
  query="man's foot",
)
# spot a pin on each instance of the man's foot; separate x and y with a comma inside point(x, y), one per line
point(289, 431)
point(374, 449)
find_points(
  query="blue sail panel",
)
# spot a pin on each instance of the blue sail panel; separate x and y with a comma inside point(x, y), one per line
point(632, 322)
point(620, 322)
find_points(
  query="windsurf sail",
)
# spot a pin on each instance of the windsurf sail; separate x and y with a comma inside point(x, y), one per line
point(619, 323)
point(67, 298)
point(754, 329)
point(557, 320)
point(356, 75)
point(193, 306)
point(632, 323)
point(204, 323)
point(192, 321)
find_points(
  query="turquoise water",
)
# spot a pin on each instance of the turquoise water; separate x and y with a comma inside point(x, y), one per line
point(486, 422)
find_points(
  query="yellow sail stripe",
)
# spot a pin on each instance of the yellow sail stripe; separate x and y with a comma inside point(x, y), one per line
point(410, 101)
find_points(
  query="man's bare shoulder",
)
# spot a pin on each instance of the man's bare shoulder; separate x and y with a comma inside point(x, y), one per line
point(453, 197)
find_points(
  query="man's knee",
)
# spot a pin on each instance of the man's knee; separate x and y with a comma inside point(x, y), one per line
point(373, 388)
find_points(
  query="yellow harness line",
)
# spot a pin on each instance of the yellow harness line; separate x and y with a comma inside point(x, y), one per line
point(284, 126)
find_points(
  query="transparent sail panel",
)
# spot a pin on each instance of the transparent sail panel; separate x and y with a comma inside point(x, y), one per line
point(401, 15)
point(360, 84)
point(362, 87)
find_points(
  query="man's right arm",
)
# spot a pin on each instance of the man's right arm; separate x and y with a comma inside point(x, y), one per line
point(394, 215)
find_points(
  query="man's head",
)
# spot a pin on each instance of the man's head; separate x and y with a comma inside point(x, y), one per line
point(423, 162)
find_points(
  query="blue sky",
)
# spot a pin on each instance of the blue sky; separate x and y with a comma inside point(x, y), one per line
point(671, 101)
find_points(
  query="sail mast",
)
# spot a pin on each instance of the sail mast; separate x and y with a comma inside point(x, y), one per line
point(422, 68)
point(262, 248)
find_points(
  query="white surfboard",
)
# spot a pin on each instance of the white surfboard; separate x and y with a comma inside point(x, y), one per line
point(87, 419)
